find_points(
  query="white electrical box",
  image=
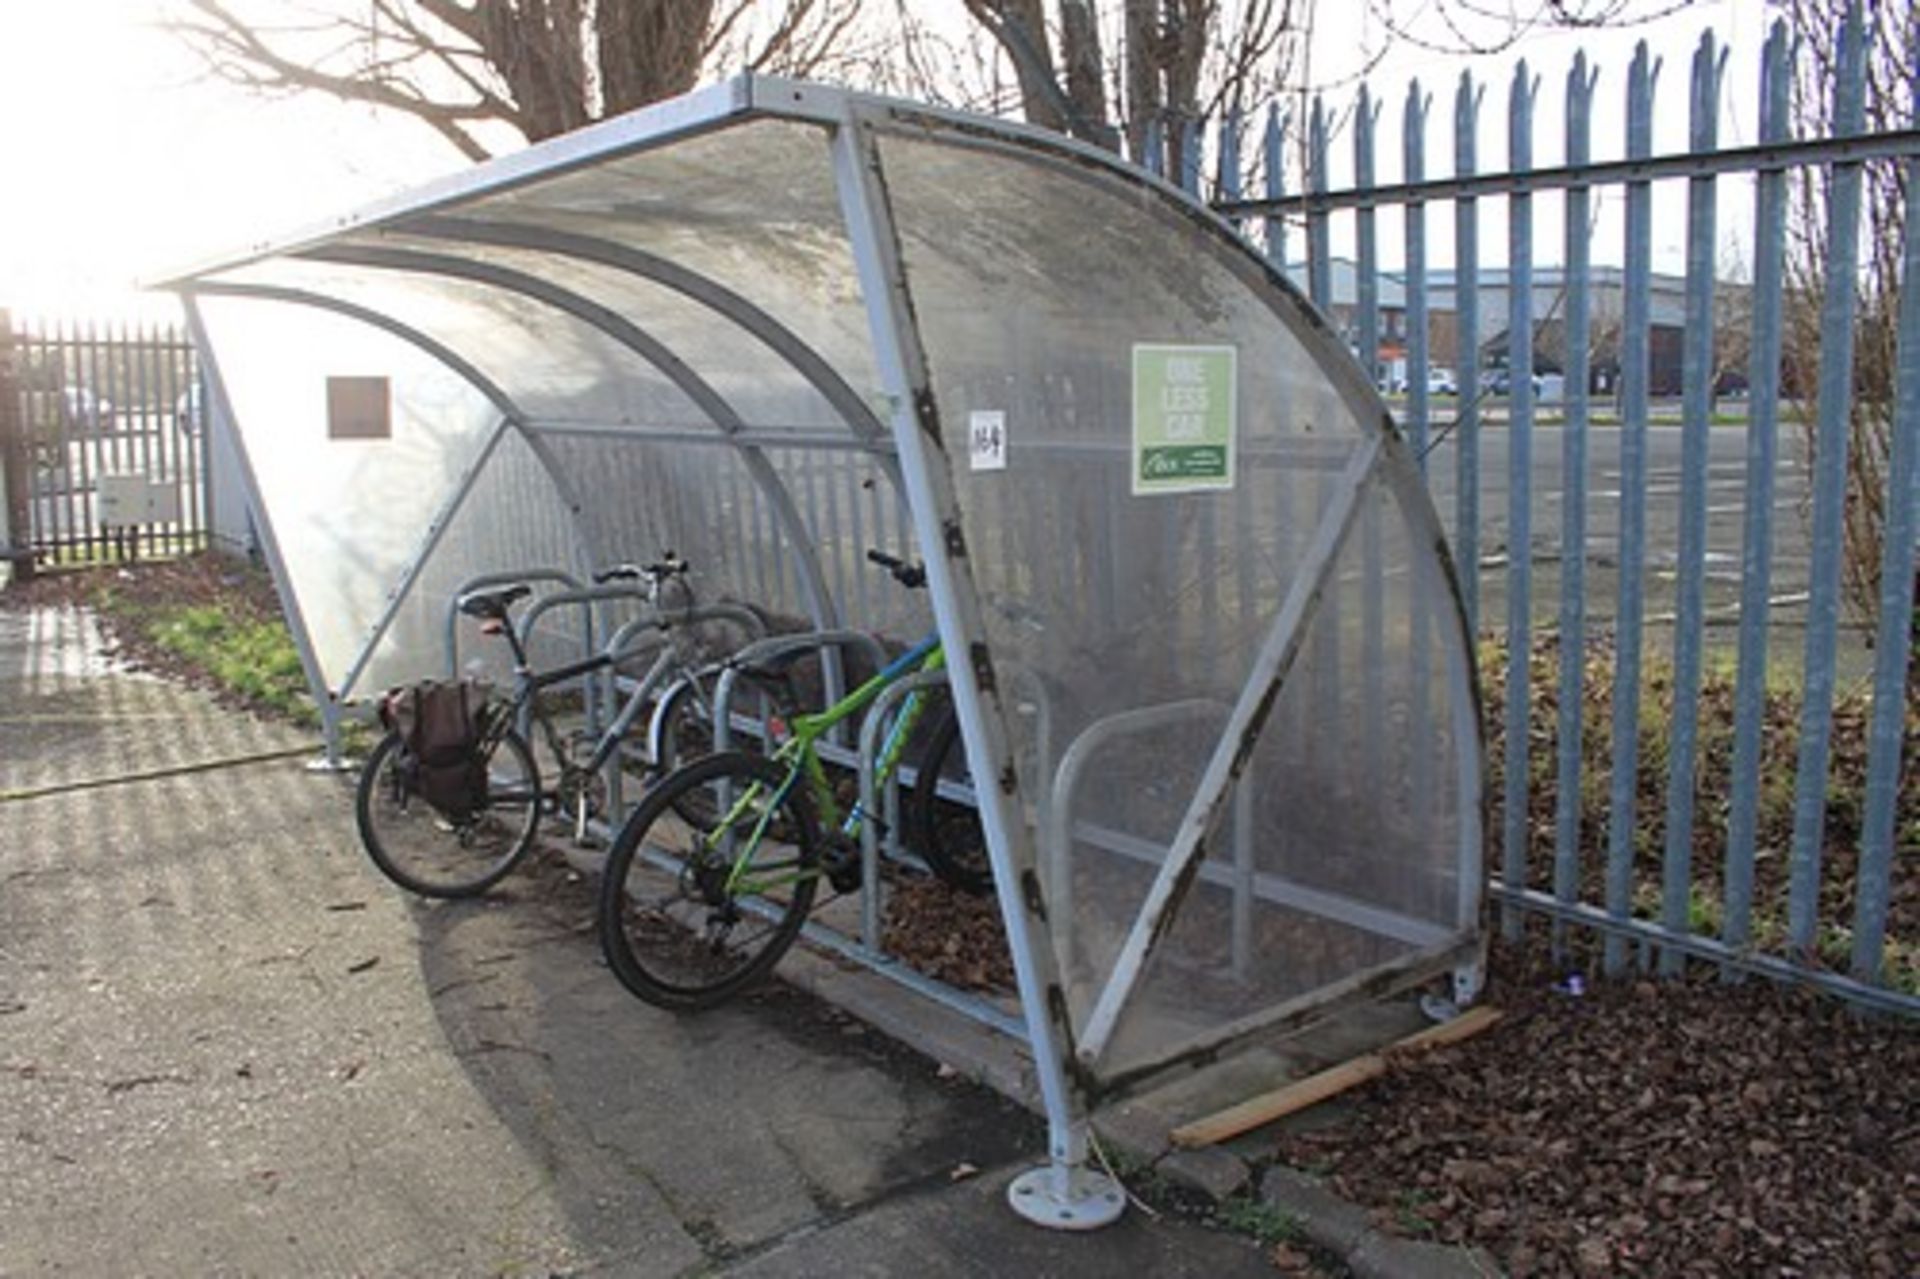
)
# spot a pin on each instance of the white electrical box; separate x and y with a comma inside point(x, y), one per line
point(120, 500)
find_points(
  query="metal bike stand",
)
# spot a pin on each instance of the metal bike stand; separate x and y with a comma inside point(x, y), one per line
point(502, 578)
point(871, 727)
point(1056, 850)
point(772, 647)
point(586, 597)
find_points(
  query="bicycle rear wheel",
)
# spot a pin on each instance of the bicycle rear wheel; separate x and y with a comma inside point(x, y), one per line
point(947, 832)
point(426, 852)
point(693, 909)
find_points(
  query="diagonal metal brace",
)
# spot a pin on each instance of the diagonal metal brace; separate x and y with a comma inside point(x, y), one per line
point(1276, 657)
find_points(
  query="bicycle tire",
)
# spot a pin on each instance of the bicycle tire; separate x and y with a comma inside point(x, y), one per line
point(424, 852)
point(670, 904)
point(946, 833)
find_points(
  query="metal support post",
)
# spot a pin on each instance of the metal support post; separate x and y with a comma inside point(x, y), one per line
point(1064, 1194)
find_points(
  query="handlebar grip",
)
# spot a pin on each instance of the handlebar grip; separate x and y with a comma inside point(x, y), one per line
point(908, 575)
point(618, 571)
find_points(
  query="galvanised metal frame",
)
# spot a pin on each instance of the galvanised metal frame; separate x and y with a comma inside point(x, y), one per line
point(1066, 1192)
point(1075, 1193)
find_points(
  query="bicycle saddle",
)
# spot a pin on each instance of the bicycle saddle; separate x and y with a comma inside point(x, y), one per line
point(493, 605)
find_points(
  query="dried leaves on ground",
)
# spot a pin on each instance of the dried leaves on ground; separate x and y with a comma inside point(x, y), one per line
point(953, 936)
point(1647, 1129)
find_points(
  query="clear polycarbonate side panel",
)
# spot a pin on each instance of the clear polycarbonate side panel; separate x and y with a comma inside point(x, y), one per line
point(1342, 853)
point(1047, 290)
point(847, 504)
point(514, 521)
point(554, 365)
point(348, 514)
point(753, 208)
point(761, 386)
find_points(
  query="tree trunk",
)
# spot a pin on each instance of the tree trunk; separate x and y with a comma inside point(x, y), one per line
point(1144, 99)
point(649, 50)
point(1080, 54)
point(535, 45)
point(1020, 26)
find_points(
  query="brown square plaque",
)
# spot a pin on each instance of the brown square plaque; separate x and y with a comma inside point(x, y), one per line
point(359, 408)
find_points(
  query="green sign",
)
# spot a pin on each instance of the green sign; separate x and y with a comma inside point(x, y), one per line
point(1184, 418)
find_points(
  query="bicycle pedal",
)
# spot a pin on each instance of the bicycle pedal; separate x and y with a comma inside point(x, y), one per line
point(842, 866)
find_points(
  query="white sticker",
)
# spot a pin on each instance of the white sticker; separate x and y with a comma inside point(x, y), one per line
point(987, 439)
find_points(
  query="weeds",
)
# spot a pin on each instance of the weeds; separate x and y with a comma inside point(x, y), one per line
point(1844, 791)
point(1259, 1220)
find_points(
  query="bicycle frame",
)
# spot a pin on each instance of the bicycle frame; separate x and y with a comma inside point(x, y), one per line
point(802, 761)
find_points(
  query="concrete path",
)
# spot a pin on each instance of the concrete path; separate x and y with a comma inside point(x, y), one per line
point(227, 1046)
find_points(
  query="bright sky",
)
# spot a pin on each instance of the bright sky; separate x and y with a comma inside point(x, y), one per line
point(123, 163)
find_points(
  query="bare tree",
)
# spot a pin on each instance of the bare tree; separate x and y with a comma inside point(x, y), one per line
point(537, 67)
point(1173, 61)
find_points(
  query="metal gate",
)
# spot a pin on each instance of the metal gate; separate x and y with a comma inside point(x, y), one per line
point(102, 441)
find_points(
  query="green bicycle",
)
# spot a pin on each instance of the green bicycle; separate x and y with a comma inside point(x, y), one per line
point(714, 873)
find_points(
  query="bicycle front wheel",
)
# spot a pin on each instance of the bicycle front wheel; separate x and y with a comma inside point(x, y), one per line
point(426, 852)
point(710, 880)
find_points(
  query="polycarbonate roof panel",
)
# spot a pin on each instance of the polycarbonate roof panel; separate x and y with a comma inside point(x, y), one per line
point(752, 207)
point(552, 364)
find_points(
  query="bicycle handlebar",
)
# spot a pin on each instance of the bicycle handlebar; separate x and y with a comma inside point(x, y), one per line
point(911, 576)
point(670, 565)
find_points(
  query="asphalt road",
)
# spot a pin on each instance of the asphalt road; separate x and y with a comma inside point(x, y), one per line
point(1726, 492)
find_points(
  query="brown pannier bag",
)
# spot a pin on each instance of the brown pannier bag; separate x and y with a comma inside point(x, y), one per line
point(441, 724)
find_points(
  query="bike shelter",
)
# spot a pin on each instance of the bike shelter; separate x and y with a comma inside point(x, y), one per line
point(1202, 631)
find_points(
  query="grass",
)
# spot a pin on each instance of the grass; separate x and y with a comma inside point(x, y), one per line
point(254, 659)
point(207, 618)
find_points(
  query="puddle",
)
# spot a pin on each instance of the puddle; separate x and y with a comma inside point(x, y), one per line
point(63, 642)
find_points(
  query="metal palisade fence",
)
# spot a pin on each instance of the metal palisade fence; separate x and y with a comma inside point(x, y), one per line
point(1710, 454)
point(102, 440)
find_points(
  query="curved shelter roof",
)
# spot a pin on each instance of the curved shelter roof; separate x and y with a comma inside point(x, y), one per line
point(1202, 628)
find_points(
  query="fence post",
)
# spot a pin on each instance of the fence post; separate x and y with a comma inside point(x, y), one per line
point(1756, 547)
point(1576, 369)
point(1413, 151)
point(1634, 357)
point(1319, 249)
point(16, 461)
point(1893, 646)
point(1514, 802)
point(1466, 309)
point(1696, 423)
point(1276, 223)
point(1835, 400)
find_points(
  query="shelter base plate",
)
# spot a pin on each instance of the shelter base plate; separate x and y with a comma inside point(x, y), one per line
point(1066, 1197)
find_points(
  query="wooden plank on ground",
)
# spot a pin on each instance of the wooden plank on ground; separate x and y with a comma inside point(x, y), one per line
point(1316, 1088)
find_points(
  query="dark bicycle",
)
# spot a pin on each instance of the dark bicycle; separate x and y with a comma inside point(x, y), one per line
point(461, 847)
